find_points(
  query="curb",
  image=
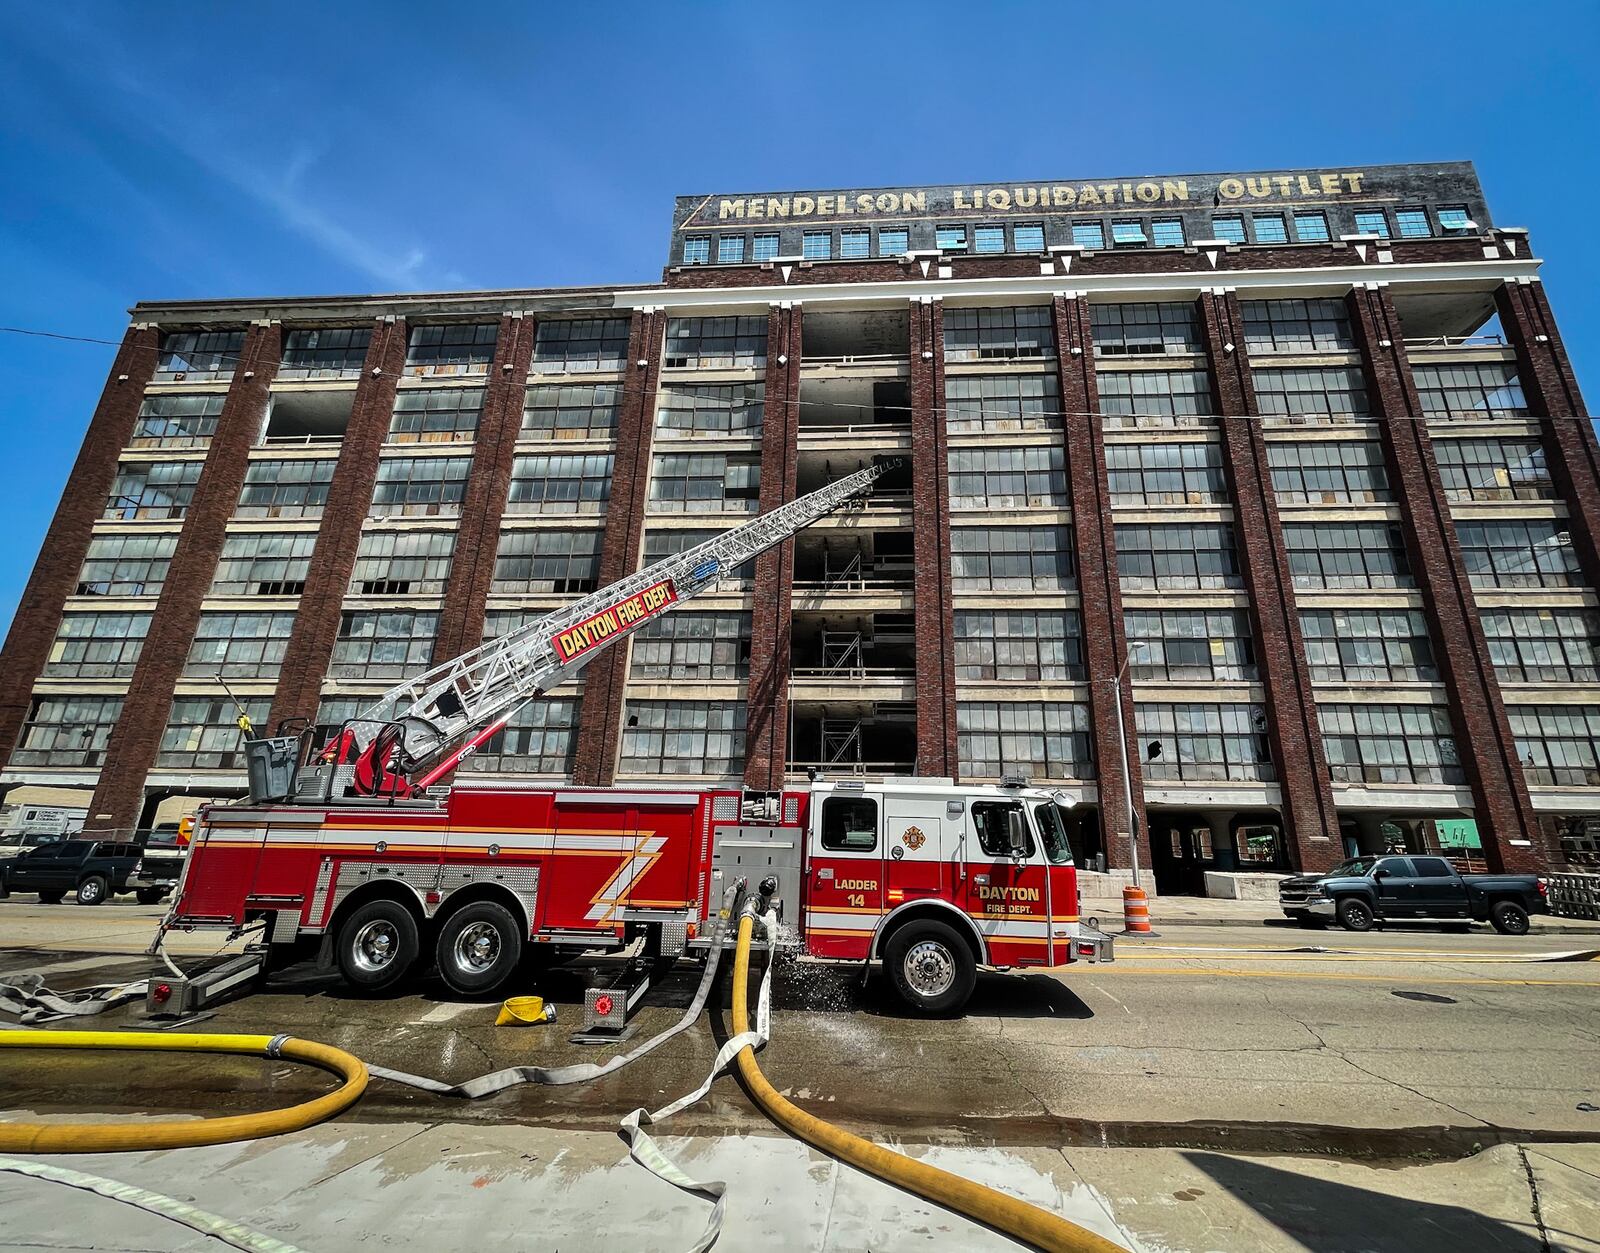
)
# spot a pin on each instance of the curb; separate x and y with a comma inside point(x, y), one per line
point(1112, 913)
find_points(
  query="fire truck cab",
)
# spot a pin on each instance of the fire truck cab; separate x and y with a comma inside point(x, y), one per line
point(927, 877)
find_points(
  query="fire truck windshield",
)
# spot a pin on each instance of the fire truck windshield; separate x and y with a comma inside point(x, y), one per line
point(1054, 833)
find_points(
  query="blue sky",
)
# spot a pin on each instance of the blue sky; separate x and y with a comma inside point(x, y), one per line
point(189, 150)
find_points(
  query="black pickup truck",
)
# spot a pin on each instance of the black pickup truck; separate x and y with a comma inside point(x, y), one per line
point(94, 871)
point(1387, 888)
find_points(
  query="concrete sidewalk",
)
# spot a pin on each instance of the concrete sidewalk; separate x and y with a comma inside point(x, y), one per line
point(1201, 911)
point(427, 1185)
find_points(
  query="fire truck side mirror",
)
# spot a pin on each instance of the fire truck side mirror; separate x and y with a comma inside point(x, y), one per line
point(1016, 832)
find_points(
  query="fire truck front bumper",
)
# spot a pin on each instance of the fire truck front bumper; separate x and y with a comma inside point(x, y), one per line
point(1086, 944)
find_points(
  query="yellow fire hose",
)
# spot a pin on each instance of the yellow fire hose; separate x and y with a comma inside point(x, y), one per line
point(1007, 1214)
point(25, 1137)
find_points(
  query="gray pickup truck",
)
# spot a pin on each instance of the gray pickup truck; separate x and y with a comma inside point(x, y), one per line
point(1387, 888)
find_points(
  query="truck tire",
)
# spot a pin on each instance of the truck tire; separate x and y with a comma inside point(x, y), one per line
point(1355, 914)
point(377, 945)
point(149, 896)
point(479, 946)
point(50, 898)
point(1508, 918)
point(94, 890)
point(931, 967)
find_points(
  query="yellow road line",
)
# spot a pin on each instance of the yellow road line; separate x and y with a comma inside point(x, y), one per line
point(1330, 975)
point(1440, 960)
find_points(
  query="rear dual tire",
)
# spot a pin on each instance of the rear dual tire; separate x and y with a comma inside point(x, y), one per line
point(479, 947)
point(377, 946)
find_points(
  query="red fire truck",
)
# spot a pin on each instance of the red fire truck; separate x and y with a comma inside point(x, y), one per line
point(357, 846)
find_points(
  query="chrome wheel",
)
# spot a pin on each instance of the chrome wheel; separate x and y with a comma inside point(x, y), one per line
point(930, 968)
point(477, 947)
point(375, 945)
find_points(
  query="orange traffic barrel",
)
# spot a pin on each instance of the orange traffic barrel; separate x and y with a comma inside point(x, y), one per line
point(1135, 911)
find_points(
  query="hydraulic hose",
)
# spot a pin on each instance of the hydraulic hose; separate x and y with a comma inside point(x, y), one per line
point(24, 1137)
point(1018, 1219)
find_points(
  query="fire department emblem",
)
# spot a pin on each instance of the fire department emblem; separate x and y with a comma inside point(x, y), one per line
point(914, 839)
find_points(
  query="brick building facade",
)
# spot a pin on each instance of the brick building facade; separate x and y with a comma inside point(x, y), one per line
point(1290, 466)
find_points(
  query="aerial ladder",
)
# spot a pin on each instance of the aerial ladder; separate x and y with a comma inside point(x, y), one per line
point(424, 727)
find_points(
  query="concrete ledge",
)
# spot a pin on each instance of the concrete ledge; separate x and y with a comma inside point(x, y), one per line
point(1108, 884)
point(1228, 885)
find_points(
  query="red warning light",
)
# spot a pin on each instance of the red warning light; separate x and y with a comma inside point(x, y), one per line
point(162, 993)
point(602, 1005)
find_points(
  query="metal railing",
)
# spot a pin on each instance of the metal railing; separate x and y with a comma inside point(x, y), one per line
point(852, 428)
point(859, 358)
point(852, 671)
point(292, 441)
point(1575, 895)
point(1457, 341)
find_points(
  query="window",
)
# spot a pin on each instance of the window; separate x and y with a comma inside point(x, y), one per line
point(67, 731)
point(1347, 554)
point(730, 249)
point(993, 822)
point(1008, 478)
point(894, 241)
point(683, 737)
point(1325, 473)
point(696, 249)
point(1454, 220)
point(1412, 223)
point(239, 645)
point(1269, 228)
point(950, 237)
point(1493, 469)
point(996, 645)
point(97, 646)
point(572, 483)
point(1044, 739)
point(1090, 235)
point(1167, 232)
point(1559, 744)
point(711, 410)
point(1165, 474)
point(855, 244)
point(403, 563)
point(989, 239)
point(1205, 742)
point(1133, 398)
point(1521, 552)
point(1028, 237)
point(1128, 233)
point(539, 739)
point(1544, 645)
point(1170, 555)
point(662, 542)
point(1145, 329)
point(383, 643)
point(202, 733)
point(575, 411)
point(1012, 558)
point(152, 489)
point(1312, 395)
point(1001, 402)
point(177, 421)
point(456, 348)
point(285, 489)
point(499, 623)
point(264, 563)
point(1297, 326)
point(1368, 646)
point(1389, 744)
point(765, 246)
point(330, 352)
point(1311, 227)
point(1372, 222)
point(333, 713)
point(693, 645)
point(1005, 333)
point(1482, 389)
point(558, 563)
point(1228, 227)
point(435, 415)
point(580, 345)
point(1190, 645)
point(699, 482)
point(716, 343)
point(420, 486)
point(849, 824)
point(126, 565)
point(817, 245)
point(199, 354)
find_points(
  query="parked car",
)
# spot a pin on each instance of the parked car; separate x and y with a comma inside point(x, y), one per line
point(13, 844)
point(1363, 891)
point(94, 871)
